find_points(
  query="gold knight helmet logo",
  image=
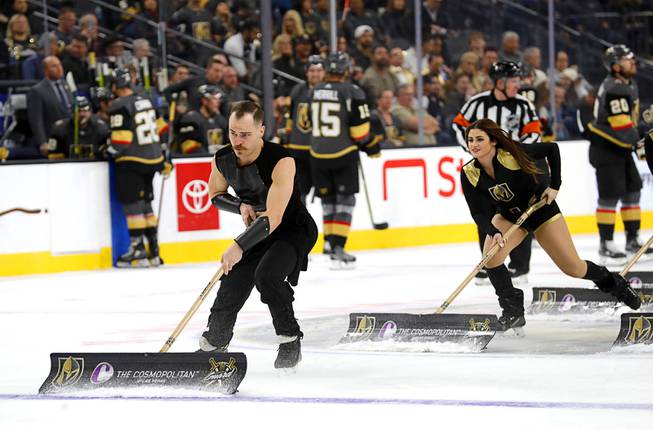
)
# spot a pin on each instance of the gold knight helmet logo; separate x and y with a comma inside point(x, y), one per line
point(69, 372)
point(502, 193)
point(547, 299)
point(214, 137)
point(639, 329)
point(303, 120)
point(365, 326)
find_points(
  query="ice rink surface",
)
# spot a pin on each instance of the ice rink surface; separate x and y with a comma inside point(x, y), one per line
point(561, 375)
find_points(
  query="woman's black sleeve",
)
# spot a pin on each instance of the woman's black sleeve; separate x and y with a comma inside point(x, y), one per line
point(551, 152)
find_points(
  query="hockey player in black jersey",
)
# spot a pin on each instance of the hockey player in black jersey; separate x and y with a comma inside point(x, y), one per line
point(613, 136)
point(298, 124)
point(279, 232)
point(340, 120)
point(92, 134)
point(203, 130)
point(135, 146)
point(504, 174)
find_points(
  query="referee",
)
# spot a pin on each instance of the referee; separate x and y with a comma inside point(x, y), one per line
point(516, 115)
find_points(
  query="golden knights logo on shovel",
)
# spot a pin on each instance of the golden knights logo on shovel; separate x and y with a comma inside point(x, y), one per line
point(639, 330)
point(69, 372)
point(547, 299)
point(220, 371)
point(364, 326)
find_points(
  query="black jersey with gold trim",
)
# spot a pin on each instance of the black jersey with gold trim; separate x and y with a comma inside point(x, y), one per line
point(298, 123)
point(616, 111)
point(511, 189)
point(199, 133)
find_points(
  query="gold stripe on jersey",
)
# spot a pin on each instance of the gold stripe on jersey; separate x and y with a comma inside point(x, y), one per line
point(357, 132)
point(619, 122)
point(507, 160)
point(140, 159)
point(338, 154)
point(607, 137)
point(161, 126)
point(288, 125)
point(190, 145)
point(377, 139)
point(122, 137)
point(136, 222)
point(472, 172)
point(631, 214)
point(297, 147)
point(603, 217)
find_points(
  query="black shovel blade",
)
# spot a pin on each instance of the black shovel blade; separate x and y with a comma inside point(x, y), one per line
point(475, 330)
point(381, 226)
point(636, 329)
point(74, 372)
point(562, 300)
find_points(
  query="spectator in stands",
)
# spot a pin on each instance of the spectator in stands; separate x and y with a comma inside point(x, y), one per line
point(434, 20)
point(407, 114)
point(359, 16)
point(476, 43)
point(195, 21)
point(284, 60)
point(402, 74)
point(459, 92)
point(181, 73)
point(565, 115)
point(321, 15)
point(141, 51)
point(212, 75)
point(560, 64)
point(66, 27)
point(241, 44)
point(18, 44)
point(510, 47)
point(434, 101)
point(361, 52)
point(141, 29)
point(292, 25)
point(431, 46)
point(533, 56)
point(396, 23)
point(232, 90)
point(114, 53)
point(468, 66)
point(74, 59)
point(490, 56)
point(23, 7)
point(88, 27)
point(384, 123)
point(436, 67)
point(378, 78)
point(222, 24)
point(343, 45)
point(47, 102)
point(303, 50)
point(32, 68)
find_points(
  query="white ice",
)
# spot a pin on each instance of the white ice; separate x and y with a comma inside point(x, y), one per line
point(561, 375)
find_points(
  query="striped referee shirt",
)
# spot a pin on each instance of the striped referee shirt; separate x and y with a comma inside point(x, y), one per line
point(516, 115)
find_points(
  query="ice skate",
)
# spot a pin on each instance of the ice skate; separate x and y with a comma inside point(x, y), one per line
point(616, 285)
point(206, 346)
point(515, 323)
point(136, 255)
point(154, 258)
point(341, 260)
point(289, 354)
point(609, 255)
point(633, 245)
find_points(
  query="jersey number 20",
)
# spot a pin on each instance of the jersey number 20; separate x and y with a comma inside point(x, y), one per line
point(146, 127)
point(326, 122)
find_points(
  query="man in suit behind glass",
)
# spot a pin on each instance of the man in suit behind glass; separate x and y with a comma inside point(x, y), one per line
point(47, 102)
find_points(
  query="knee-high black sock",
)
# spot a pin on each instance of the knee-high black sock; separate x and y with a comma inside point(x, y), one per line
point(595, 272)
point(511, 299)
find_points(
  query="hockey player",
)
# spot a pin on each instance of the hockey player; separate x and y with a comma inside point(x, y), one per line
point(92, 133)
point(340, 121)
point(135, 146)
point(504, 174)
point(613, 136)
point(204, 130)
point(298, 125)
point(274, 247)
point(515, 114)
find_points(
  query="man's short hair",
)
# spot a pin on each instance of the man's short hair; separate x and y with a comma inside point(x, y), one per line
point(246, 106)
point(80, 38)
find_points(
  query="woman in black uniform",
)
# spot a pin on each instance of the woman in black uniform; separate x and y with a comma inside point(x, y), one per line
point(504, 172)
point(280, 232)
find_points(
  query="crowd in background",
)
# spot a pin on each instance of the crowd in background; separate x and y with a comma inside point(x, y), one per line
point(378, 36)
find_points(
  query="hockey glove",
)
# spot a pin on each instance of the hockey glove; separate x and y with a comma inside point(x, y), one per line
point(167, 169)
point(640, 149)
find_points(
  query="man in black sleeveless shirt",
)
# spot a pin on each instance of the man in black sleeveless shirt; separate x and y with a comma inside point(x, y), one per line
point(280, 232)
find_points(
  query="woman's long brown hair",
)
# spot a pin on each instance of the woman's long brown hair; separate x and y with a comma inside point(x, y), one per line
point(504, 141)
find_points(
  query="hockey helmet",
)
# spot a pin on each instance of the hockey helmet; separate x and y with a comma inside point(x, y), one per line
point(208, 91)
point(614, 54)
point(314, 60)
point(82, 102)
point(100, 94)
point(337, 63)
point(122, 78)
point(504, 69)
point(525, 70)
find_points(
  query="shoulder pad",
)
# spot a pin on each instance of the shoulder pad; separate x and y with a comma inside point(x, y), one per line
point(507, 160)
point(472, 172)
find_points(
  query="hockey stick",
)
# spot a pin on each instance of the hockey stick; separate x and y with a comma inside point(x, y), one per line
point(171, 119)
point(636, 257)
point(493, 251)
point(23, 210)
point(182, 324)
point(379, 226)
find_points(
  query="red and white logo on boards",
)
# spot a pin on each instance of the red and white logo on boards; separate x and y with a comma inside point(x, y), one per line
point(194, 208)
